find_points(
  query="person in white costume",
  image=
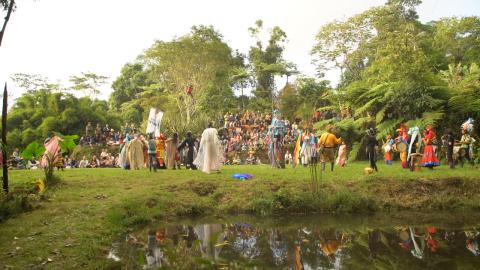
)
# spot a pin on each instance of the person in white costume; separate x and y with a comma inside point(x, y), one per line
point(209, 157)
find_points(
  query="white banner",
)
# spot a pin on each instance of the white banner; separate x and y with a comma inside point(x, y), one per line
point(151, 121)
point(158, 121)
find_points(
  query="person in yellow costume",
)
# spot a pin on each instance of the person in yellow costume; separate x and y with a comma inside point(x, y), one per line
point(326, 147)
point(161, 151)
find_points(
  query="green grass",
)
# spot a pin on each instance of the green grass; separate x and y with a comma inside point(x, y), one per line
point(75, 224)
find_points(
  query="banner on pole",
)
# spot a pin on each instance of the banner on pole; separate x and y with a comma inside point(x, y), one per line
point(151, 121)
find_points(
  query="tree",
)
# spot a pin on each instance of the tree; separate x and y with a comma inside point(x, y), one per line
point(132, 81)
point(200, 60)
point(8, 6)
point(267, 60)
point(89, 83)
point(41, 111)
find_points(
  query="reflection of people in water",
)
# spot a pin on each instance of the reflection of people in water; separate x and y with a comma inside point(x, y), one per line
point(298, 256)
point(374, 244)
point(432, 243)
point(472, 241)
point(278, 246)
point(208, 234)
point(245, 241)
point(331, 242)
point(413, 242)
point(154, 255)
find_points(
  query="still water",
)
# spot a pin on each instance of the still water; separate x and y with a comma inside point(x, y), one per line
point(449, 242)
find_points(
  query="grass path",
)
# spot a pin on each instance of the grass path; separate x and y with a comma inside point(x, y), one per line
point(73, 228)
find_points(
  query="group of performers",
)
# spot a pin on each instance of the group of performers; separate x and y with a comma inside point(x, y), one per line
point(409, 142)
point(164, 153)
point(207, 154)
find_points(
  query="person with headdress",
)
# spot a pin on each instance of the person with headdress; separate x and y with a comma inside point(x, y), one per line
point(210, 156)
point(172, 154)
point(276, 134)
point(161, 151)
point(135, 153)
point(467, 142)
point(189, 142)
point(429, 158)
point(326, 145)
point(387, 148)
point(402, 137)
point(372, 143)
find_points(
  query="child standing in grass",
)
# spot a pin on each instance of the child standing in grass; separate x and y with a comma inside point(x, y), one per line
point(387, 147)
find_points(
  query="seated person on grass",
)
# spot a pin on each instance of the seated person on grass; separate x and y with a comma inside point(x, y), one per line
point(32, 164)
point(94, 163)
point(83, 163)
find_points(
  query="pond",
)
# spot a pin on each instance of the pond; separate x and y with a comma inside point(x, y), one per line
point(319, 242)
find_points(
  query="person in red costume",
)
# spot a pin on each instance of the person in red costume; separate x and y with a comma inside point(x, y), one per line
point(429, 159)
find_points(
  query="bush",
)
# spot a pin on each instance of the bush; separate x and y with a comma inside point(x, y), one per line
point(13, 203)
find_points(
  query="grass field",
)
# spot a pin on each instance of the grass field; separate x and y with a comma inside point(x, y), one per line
point(75, 223)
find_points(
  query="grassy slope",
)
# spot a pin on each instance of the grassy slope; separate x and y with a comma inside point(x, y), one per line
point(75, 226)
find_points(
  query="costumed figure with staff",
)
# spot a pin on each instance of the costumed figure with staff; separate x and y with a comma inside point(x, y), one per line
point(467, 142)
point(326, 145)
point(276, 133)
point(414, 143)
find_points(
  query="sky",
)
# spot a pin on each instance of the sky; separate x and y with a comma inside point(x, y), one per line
point(60, 38)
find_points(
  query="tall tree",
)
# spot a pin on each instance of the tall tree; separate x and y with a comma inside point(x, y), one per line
point(267, 60)
point(89, 83)
point(195, 70)
point(9, 7)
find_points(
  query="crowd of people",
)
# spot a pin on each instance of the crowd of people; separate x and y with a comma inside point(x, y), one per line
point(250, 138)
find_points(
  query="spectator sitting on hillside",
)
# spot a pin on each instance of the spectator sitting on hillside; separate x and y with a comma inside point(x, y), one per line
point(251, 158)
point(16, 156)
point(288, 158)
point(32, 164)
point(237, 160)
point(104, 154)
point(94, 163)
point(83, 163)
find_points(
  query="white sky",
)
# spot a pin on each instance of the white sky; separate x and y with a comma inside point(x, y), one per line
point(59, 38)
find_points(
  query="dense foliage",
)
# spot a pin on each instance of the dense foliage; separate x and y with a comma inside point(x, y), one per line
point(394, 69)
point(38, 113)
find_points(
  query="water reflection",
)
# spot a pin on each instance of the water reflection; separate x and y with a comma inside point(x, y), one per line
point(244, 246)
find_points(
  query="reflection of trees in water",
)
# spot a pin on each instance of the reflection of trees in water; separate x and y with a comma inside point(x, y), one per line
point(244, 246)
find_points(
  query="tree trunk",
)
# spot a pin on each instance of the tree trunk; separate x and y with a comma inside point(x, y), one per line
point(4, 139)
point(10, 9)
